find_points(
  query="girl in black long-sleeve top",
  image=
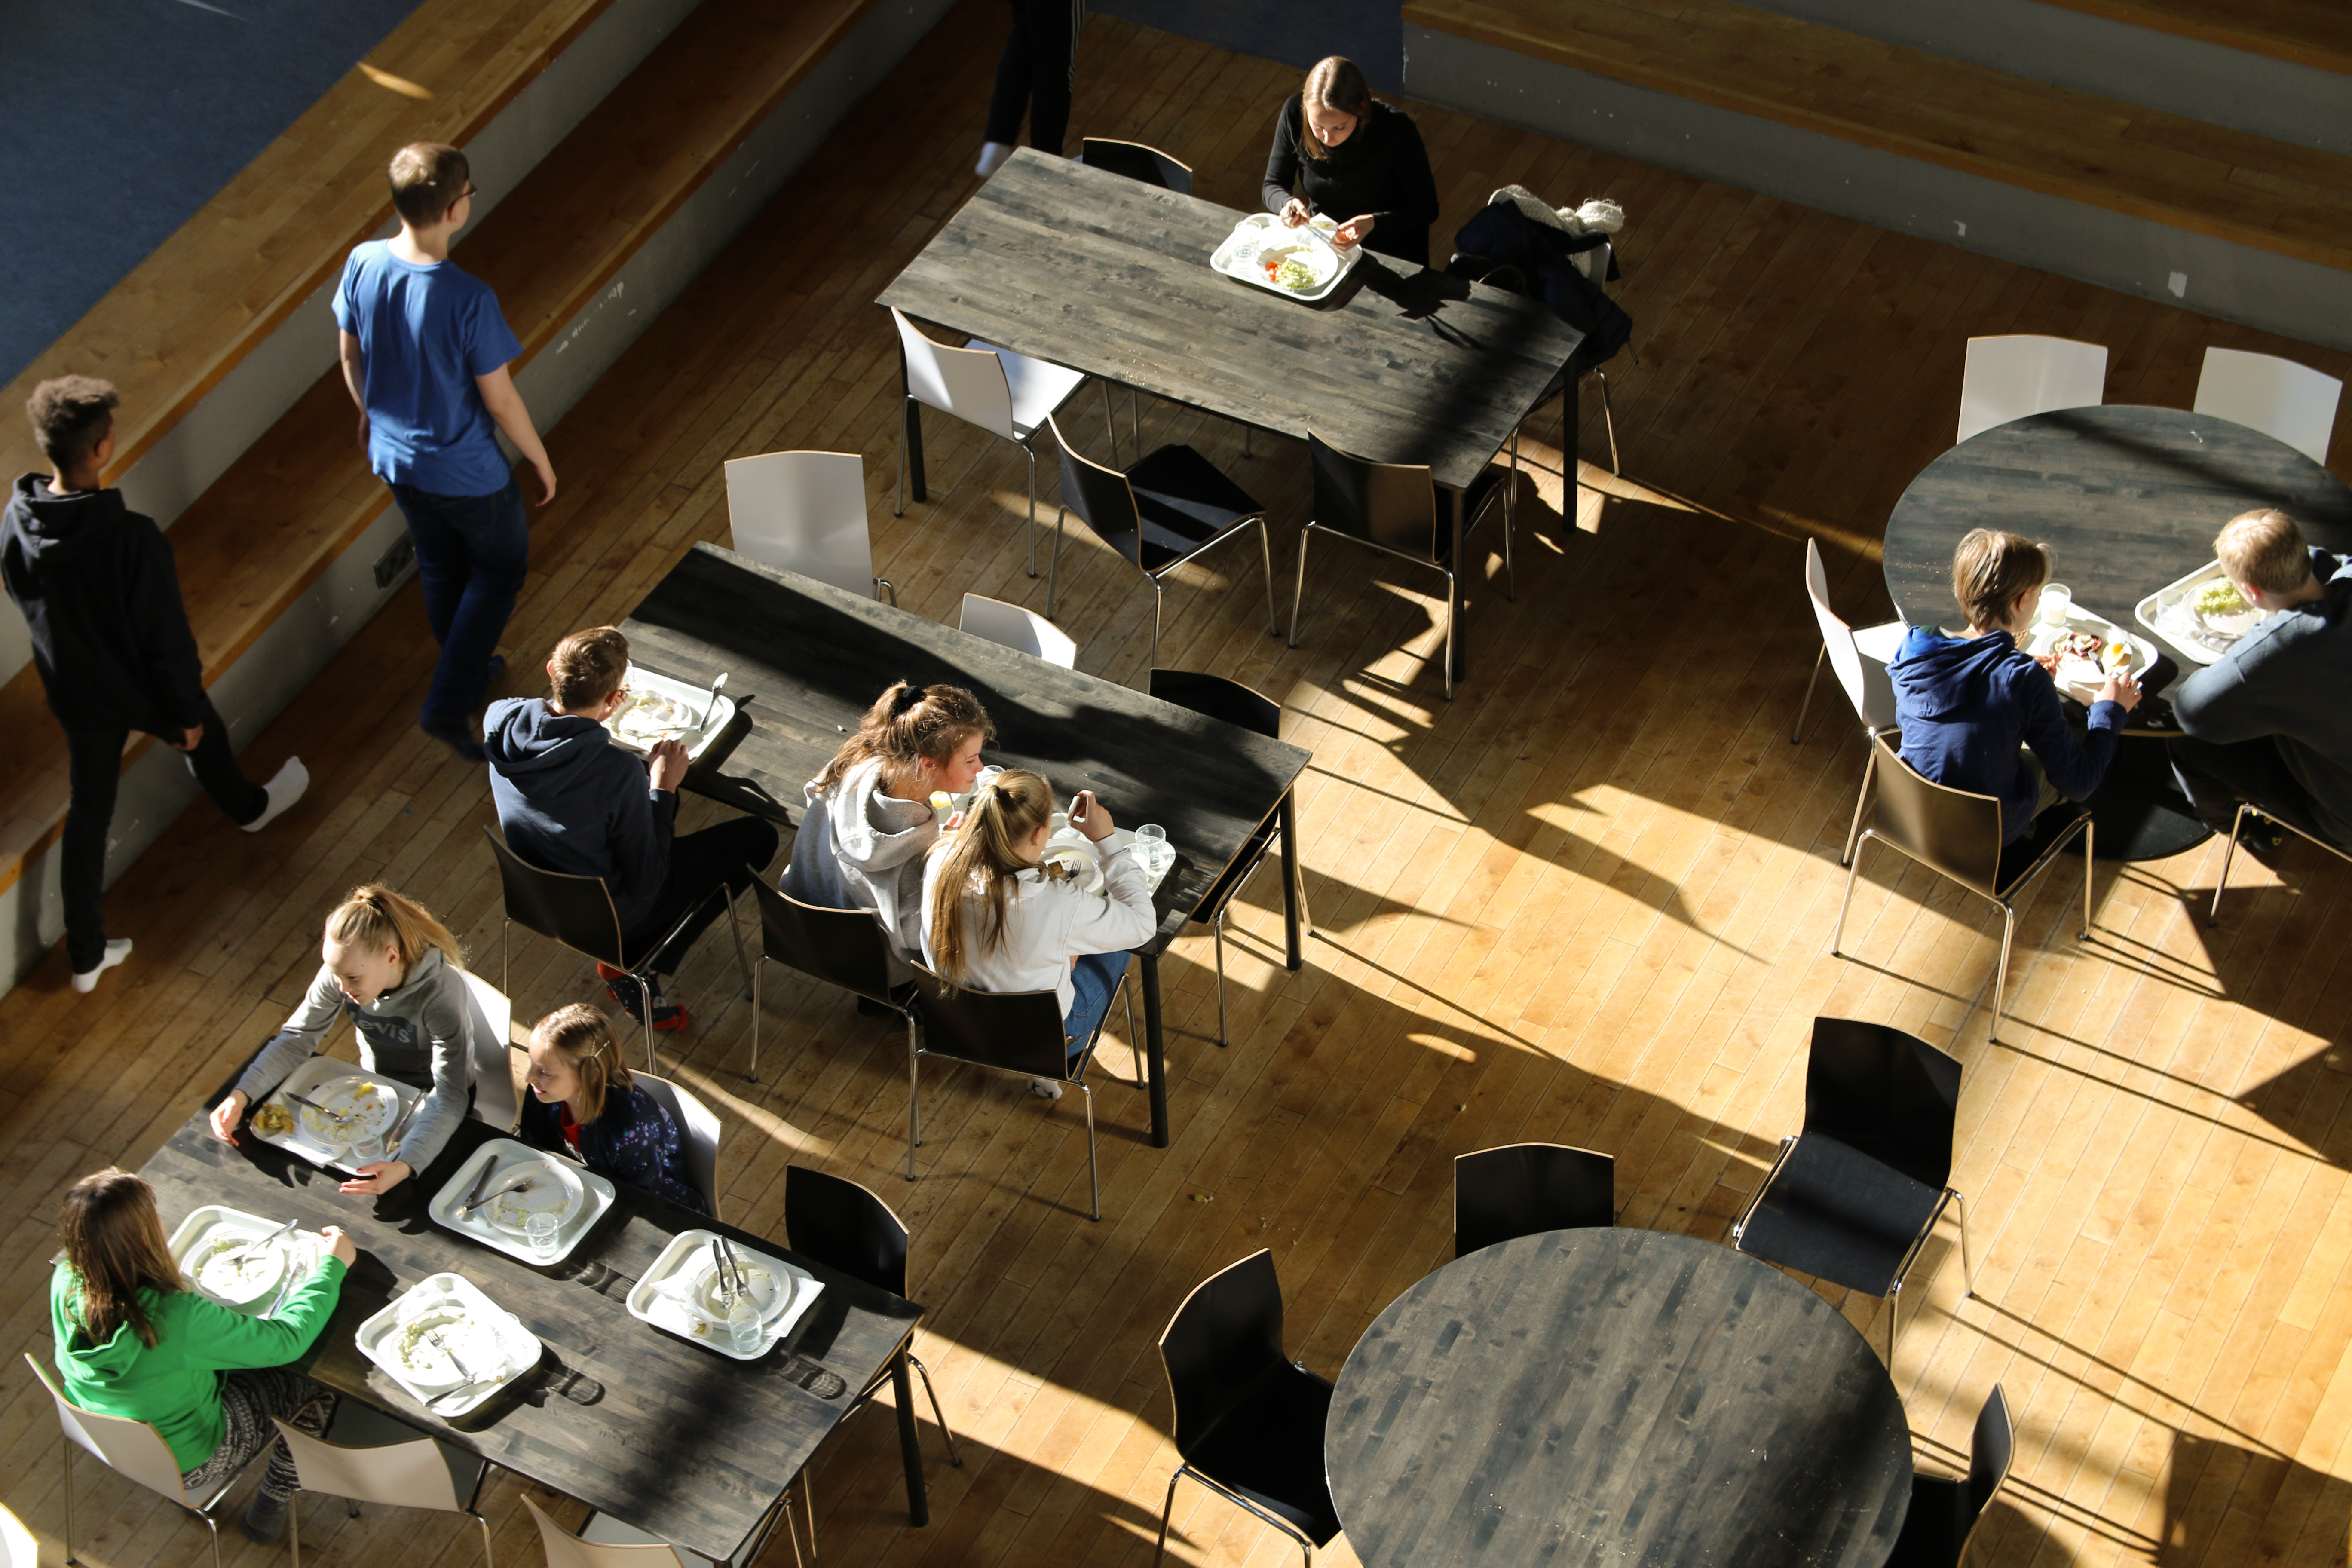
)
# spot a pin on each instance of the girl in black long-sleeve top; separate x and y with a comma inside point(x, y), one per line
point(1356, 159)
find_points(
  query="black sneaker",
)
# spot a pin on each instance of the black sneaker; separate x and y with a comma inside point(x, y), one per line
point(668, 1017)
point(454, 736)
point(2260, 835)
point(265, 1519)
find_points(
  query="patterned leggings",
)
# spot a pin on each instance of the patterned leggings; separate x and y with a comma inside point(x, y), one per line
point(248, 1399)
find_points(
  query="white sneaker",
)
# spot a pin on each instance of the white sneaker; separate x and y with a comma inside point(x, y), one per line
point(1043, 1088)
point(117, 951)
point(992, 157)
point(285, 789)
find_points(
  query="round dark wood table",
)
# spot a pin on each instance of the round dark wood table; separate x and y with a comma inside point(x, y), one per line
point(1616, 1396)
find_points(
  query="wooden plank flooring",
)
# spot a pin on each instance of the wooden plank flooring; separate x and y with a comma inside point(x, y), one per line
point(1587, 902)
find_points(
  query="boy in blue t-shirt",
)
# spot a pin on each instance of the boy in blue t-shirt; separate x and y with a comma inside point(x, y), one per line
point(426, 355)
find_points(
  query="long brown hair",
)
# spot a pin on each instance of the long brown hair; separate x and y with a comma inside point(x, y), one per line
point(907, 723)
point(374, 918)
point(585, 1037)
point(983, 855)
point(114, 1240)
point(1335, 82)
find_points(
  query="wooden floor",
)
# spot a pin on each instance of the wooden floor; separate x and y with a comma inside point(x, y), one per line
point(1587, 902)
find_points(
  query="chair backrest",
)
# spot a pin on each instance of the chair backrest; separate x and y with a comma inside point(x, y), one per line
point(1017, 628)
point(1226, 1335)
point(574, 911)
point(491, 1051)
point(132, 1447)
point(1891, 1095)
point(1221, 699)
point(840, 947)
point(397, 1475)
point(1957, 832)
point(1017, 1031)
point(969, 384)
point(565, 1550)
point(804, 511)
point(17, 1547)
point(1137, 162)
point(1991, 1449)
point(2008, 378)
point(1103, 499)
point(2276, 397)
point(1594, 263)
point(697, 1132)
point(1522, 1189)
point(1865, 683)
point(844, 1225)
point(1390, 504)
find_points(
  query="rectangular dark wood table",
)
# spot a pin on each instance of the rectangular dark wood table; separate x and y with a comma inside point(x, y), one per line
point(1111, 276)
point(803, 660)
point(631, 1420)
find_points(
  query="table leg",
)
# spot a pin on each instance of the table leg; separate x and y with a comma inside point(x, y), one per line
point(1155, 1057)
point(1290, 878)
point(912, 434)
point(1457, 500)
point(902, 1388)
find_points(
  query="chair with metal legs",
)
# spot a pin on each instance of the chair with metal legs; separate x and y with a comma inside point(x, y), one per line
point(1596, 264)
point(805, 511)
point(1859, 660)
point(367, 1455)
point(1392, 508)
point(2237, 825)
point(1957, 834)
point(1525, 1189)
point(1005, 394)
point(840, 947)
point(1944, 1513)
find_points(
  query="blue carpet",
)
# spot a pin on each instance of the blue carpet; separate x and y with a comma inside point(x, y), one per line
point(1299, 33)
point(119, 119)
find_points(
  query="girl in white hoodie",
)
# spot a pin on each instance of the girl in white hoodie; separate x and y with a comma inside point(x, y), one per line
point(869, 819)
point(995, 920)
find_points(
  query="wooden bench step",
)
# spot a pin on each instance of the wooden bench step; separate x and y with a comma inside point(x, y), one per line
point(255, 542)
point(2163, 168)
point(2315, 33)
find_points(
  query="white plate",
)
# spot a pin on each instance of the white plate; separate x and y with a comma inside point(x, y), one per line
point(661, 708)
point(213, 1232)
point(491, 1340)
point(669, 1296)
point(1262, 236)
point(2076, 678)
point(2171, 614)
point(309, 1080)
point(596, 1198)
point(371, 1105)
point(555, 1188)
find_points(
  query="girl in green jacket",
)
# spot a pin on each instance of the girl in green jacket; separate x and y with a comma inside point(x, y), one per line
point(133, 1340)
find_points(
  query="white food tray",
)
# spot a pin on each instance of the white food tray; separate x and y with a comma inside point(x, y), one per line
point(1243, 255)
point(510, 1156)
point(687, 700)
point(212, 1229)
point(662, 1297)
point(489, 1331)
point(2170, 615)
point(2078, 680)
point(303, 1140)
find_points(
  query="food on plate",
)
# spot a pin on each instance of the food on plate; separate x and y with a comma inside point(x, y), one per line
point(273, 1119)
point(2221, 598)
point(648, 716)
point(1290, 272)
point(2085, 645)
point(231, 1269)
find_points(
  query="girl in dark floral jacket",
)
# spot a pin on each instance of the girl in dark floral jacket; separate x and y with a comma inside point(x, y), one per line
point(583, 1102)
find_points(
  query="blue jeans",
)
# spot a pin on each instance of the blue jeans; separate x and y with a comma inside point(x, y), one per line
point(1095, 978)
point(472, 552)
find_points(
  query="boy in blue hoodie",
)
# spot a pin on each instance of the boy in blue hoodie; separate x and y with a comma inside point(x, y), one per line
point(570, 800)
point(1972, 705)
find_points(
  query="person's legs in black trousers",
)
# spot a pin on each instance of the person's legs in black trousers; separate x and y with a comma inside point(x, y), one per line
point(2216, 776)
point(1034, 74)
point(705, 869)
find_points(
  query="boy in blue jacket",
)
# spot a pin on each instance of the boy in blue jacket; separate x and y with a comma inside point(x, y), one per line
point(1971, 706)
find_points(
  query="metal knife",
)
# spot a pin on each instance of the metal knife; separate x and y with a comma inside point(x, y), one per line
point(474, 1194)
point(340, 1118)
point(522, 1186)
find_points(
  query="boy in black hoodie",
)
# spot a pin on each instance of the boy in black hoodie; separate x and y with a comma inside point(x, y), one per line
point(111, 638)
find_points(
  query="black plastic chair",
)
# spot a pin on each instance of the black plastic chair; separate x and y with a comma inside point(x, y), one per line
point(1137, 162)
point(1600, 268)
point(2237, 825)
point(1944, 1512)
point(1854, 1198)
point(579, 913)
point(1392, 508)
point(1526, 1189)
point(840, 947)
point(1167, 508)
point(1015, 1032)
point(1244, 708)
point(844, 1225)
point(1249, 1422)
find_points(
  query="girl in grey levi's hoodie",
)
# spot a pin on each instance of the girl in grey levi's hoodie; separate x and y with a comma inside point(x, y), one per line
point(869, 822)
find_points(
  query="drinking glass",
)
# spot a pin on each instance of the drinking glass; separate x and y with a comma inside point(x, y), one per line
point(744, 1323)
point(538, 1230)
point(2057, 603)
point(1152, 845)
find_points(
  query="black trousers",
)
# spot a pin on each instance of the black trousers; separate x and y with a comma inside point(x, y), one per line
point(1035, 73)
point(95, 762)
point(2216, 776)
point(705, 869)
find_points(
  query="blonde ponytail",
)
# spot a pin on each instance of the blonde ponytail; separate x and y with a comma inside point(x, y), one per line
point(376, 917)
point(983, 855)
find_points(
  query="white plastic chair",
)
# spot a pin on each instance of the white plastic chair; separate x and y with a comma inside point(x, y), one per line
point(805, 511)
point(1017, 628)
point(606, 1543)
point(697, 1132)
point(1860, 659)
point(2276, 397)
point(369, 1456)
point(17, 1547)
point(1005, 394)
point(2011, 377)
point(134, 1450)
point(491, 1025)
